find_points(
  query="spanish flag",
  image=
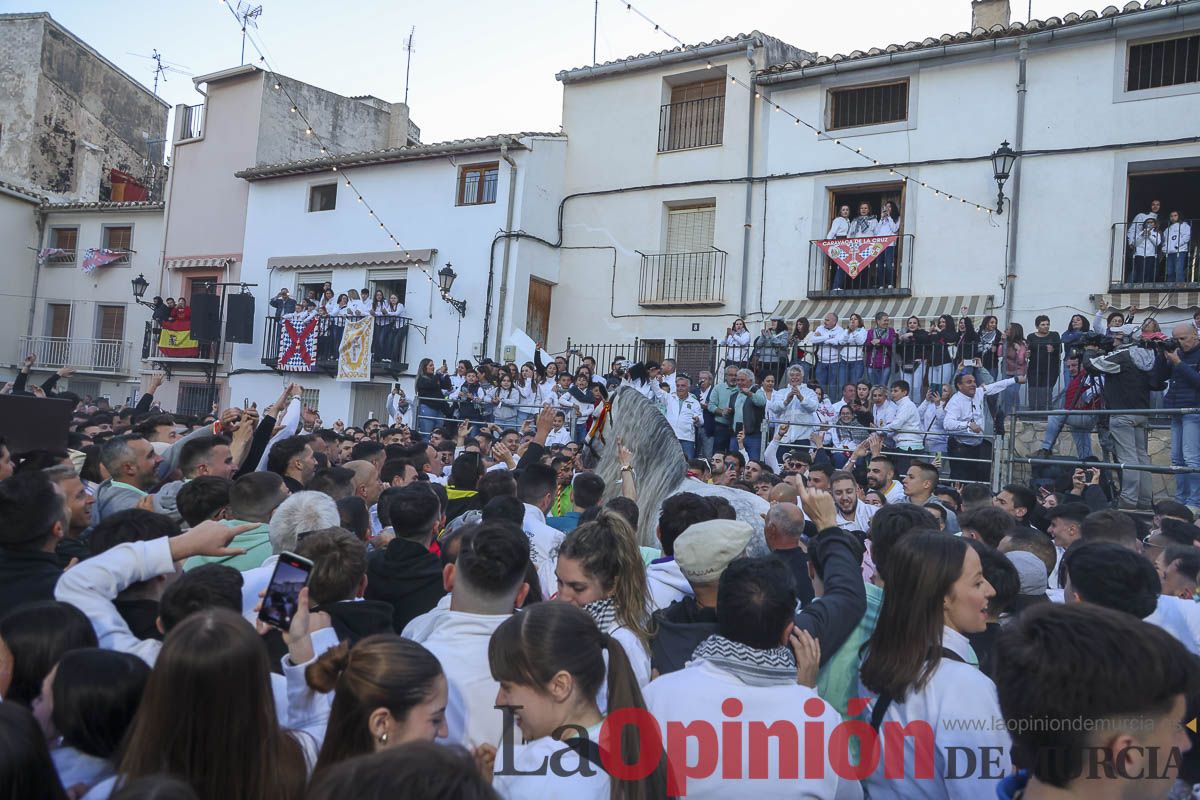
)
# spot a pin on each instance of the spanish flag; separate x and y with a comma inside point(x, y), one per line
point(176, 340)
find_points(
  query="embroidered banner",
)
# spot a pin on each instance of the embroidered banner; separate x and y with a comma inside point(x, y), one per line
point(354, 354)
point(855, 255)
point(298, 346)
point(93, 258)
point(176, 339)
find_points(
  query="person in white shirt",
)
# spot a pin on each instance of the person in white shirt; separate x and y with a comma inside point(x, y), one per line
point(904, 424)
point(684, 413)
point(797, 406)
point(536, 488)
point(887, 225)
point(964, 422)
point(933, 412)
point(559, 676)
point(829, 337)
point(852, 513)
point(757, 667)
point(1177, 239)
point(839, 229)
point(1135, 232)
point(883, 412)
point(737, 344)
point(486, 583)
point(852, 351)
point(1145, 243)
point(922, 673)
point(881, 476)
point(559, 434)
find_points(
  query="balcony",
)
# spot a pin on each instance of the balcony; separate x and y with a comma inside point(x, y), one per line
point(64, 258)
point(1136, 264)
point(192, 124)
point(103, 356)
point(389, 345)
point(203, 360)
point(691, 124)
point(827, 279)
point(683, 279)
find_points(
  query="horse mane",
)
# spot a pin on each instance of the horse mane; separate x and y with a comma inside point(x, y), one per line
point(658, 462)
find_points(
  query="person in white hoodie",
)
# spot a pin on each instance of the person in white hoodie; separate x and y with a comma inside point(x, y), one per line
point(536, 488)
point(888, 225)
point(907, 419)
point(1177, 239)
point(486, 583)
point(664, 580)
point(829, 337)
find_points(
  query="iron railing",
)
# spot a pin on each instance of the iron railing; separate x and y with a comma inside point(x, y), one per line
point(66, 257)
point(889, 275)
point(151, 351)
point(193, 122)
point(682, 279)
point(86, 355)
point(692, 123)
point(1139, 259)
point(389, 343)
point(691, 357)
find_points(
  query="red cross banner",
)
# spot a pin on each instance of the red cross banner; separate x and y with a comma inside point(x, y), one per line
point(855, 255)
point(298, 346)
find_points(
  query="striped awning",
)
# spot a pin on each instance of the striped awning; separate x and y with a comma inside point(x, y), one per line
point(927, 307)
point(202, 262)
point(329, 260)
point(1182, 301)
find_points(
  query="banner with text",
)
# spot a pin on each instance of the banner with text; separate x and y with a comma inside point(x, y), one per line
point(354, 354)
point(855, 255)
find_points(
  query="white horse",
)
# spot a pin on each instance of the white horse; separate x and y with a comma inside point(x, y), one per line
point(660, 469)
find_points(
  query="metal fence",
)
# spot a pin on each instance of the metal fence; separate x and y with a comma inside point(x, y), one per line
point(692, 123)
point(682, 279)
point(192, 126)
point(86, 355)
point(1154, 255)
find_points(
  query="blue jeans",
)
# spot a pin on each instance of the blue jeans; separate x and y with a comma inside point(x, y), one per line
point(1081, 426)
point(887, 267)
point(427, 419)
point(916, 379)
point(941, 374)
point(850, 372)
point(704, 444)
point(753, 445)
point(1185, 452)
point(1144, 269)
point(1010, 398)
point(1176, 267)
point(878, 376)
point(689, 449)
point(827, 376)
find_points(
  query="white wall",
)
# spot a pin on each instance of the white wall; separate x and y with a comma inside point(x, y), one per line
point(18, 233)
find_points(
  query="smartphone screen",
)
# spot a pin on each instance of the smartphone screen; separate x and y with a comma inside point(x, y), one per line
point(283, 592)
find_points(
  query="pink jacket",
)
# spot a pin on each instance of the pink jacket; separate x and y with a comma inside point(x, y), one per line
point(879, 351)
point(1016, 358)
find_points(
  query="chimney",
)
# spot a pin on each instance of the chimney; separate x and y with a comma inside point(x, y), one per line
point(398, 126)
point(986, 13)
point(89, 172)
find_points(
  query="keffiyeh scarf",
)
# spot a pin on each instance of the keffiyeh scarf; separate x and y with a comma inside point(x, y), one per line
point(605, 614)
point(752, 666)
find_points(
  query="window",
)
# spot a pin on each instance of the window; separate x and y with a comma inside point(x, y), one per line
point(695, 117)
point(66, 240)
point(84, 387)
point(194, 400)
point(323, 197)
point(477, 184)
point(110, 323)
point(119, 237)
point(58, 320)
point(310, 398)
point(691, 270)
point(1169, 62)
point(868, 105)
point(691, 230)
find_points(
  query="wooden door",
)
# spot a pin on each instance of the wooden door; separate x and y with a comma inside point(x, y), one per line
point(537, 312)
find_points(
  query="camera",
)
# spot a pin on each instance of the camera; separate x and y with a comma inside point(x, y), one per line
point(1098, 341)
point(1159, 343)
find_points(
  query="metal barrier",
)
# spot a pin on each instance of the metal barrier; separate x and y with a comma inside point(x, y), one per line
point(1152, 257)
point(425, 406)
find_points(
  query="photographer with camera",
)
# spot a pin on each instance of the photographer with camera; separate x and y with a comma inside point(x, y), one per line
point(1180, 367)
point(1128, 377)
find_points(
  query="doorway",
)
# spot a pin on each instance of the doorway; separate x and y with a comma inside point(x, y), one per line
point(537, 311)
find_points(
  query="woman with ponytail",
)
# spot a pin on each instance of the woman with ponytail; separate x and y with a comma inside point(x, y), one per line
point(386, 690)
point(600, 569)
point(550, 662)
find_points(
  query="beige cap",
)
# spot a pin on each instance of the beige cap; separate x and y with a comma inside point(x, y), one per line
point(704, 550)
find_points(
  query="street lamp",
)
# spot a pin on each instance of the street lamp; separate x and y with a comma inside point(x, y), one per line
point(446, 276)
point(140, 285)
point(1002, 164)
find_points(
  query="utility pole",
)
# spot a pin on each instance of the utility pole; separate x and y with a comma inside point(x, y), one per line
point(408, 46)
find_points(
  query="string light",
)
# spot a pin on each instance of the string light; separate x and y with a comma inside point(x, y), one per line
point(798, 121)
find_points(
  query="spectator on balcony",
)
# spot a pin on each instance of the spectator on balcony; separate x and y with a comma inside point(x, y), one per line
point(966, 343)
point(1016, 364)
point(1135, 230)
point(801, 342)
point(1177, 238)
point(863, 226)
point(327, 300)
point(942, 336)
point(737, 344)
point(839, 229)
point(1145, 242)
point(1045, 354)
point(771, 348)
point(357, 306)
point(989, 348)
point(828, 339)
point(283, 303)
point(878, 349)
point(888, 225)
point(393, 312)
point(181, 312)
point(912, 352)
point(852, 350)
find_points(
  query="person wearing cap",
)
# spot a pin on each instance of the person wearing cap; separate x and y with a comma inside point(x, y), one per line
point(702, 552)
point(758, 665)
point(1032, 573)
point(33, 520)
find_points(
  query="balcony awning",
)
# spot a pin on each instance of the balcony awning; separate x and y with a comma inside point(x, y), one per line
point(201, 262)
point(927, 307)
point(1175, 301)
point(329, 260)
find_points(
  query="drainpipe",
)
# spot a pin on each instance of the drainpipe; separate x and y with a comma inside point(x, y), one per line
point(1014, 205)
point(40, 216)
point(747, 224)
point(512, 198)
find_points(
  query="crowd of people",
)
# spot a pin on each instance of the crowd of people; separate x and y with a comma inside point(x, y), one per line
point(480, 618)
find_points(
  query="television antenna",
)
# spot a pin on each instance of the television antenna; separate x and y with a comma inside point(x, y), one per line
point(247, 15)
point(408, 47)
point(162, 67)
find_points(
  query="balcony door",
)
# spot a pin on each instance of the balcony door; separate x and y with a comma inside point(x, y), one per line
point(874, 195)
point(537, 310)
point(110, 337)
point(687, 268)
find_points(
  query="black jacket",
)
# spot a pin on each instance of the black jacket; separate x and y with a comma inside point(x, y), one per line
point(797, 562)
point(834, 617)
point(352, 620)
point(408, 577)
point(681, 627)
point(26, 576)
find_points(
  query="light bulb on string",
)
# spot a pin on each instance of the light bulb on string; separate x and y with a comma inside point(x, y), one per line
point(294, 109)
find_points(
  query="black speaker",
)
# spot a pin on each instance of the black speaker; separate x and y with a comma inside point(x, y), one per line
point(239, 318)
point(206, 317)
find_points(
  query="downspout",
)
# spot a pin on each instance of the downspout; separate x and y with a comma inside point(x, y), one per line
point(508, 223)
point(747, 223)
point(1014, 205)
point(40, 215)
